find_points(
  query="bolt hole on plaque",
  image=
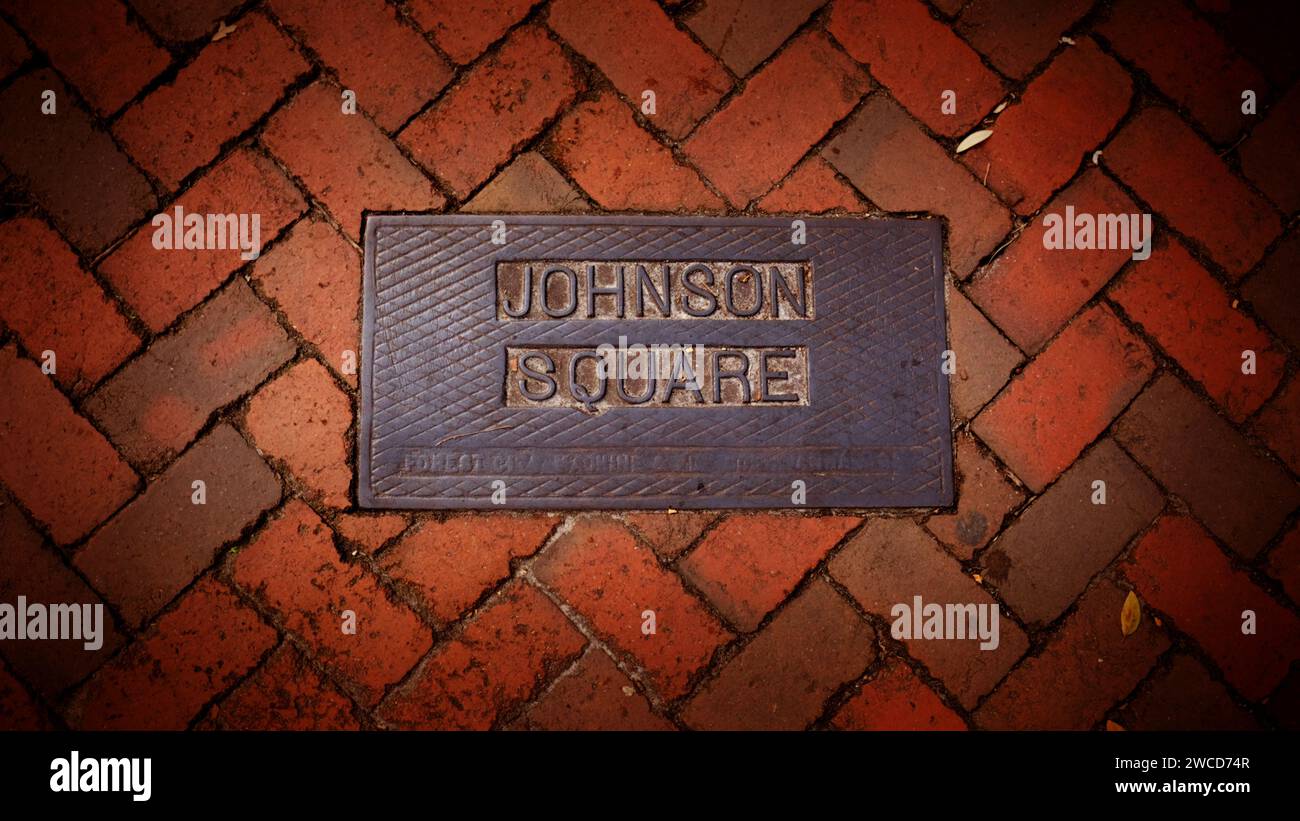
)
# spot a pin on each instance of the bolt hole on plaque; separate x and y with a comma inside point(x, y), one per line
point(523, 361)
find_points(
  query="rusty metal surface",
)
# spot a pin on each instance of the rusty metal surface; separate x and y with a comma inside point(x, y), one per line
point(861, 416)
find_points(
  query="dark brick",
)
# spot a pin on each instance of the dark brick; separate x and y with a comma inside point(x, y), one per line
point(984, 498)
point(985, 359)
point(529, 183)
point(1017, 35)
point(184, 21)
point(744, 32)
point(1184, 697)
point(1269, 156)
point(1272, 293)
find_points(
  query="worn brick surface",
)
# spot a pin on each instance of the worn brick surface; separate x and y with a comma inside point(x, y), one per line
point(1276, 424)
point(669, 534)
point(393, 71)
point(812, 188)
point(293, 568)
point(70, 165)
point(636, 45)
point(344, 160)
point(369, 532)
point(1171, 168)
point(1066, 113)
point(889, 562)
point(285, 694)
point(57, 465)
point(984, 498)
point(154, 406)
point(890, 160)
point(918, 59)
point(229, 86)
point(759, 135)
point(529, 183)
point(52, 303)
point(1179, 570)
point(1184, 697)
point(1242, 497)
point(464, 28)
point(1017, 35)
point(1065, 397)
point(748, 564)
point(155, 547)
point(1189, 314)
point(781, 678)
point(744, 32)
point(448, 565)
point(1271, 294)
point(182, 22)
point(1269, 156)
point(161, 284)
point(193, 652)
point(620, 165)
point(896, 699)
point(502, 103)
point(601, 570)
point(1046, 558)
point(594, 695)
point(490, 669)
point(985, 359)
point(1086, 667)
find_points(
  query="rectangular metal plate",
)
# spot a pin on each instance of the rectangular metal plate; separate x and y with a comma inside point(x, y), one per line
point(491, 372)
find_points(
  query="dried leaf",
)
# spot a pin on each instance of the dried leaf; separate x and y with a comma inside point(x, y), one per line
point(1096, 158)
point(1130, 615)
point(974, 139)
point(978, 578)
point(1001, 106)
point(1067, 40)
point(223, 31)
point(1112, 727)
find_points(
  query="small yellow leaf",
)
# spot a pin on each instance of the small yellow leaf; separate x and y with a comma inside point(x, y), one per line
point(978, 578)
point(973, 139)
point(1112, 727)
point(1130, 615)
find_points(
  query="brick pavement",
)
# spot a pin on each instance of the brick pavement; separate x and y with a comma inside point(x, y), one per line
point(1073, 367)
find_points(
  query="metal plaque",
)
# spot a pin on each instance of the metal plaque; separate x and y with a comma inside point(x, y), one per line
point(522, 361)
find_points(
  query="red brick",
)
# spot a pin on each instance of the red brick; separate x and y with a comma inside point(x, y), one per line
point(1241, 496)
point(69, 165)
point(493, 666)
point(51, 303)
point(896, 166)
point(56, 464)
point(985, 359)
point(761, 133)
point(620, 165)
point(812, 188)
point(781, 679)
point(1017, 35)
point(1271, 293)
point(229, 86)
point(29, 567)
point(1184, 697)
point(749, 564)
point(984, 498)
point(1031, 291)
point(1284, 563)
point(1189, 314)
point(369, 532)
point(448, 565)
point(293, 569)
point(285, 694)
point(1064, 115)
point(1047, 556)
point(669, 534)
point(610, 579)
point(1086, 667)
point(184, 21)
point(1188, 61)
point(153, 407)
point(918, 59)
point(1179, 570)
point(18, 709)
point(344, 160)
point(896, 699)
point(94, 45)
point(1173, 170)
point(13, 49)
point(465, 28)
point(159, 543)
point(163, 284)
point(1271, 156)
point(312, 276)
point(392, 69)
point(1066, 397)
point(199, 649)
point(638, 47)
point(889, 562)
point(594, 695)
point(302, 419)
point(498, 106)
point(743, 33)
point(528, 183)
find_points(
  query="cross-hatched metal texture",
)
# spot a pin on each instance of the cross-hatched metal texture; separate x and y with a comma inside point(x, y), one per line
point(435, 432)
